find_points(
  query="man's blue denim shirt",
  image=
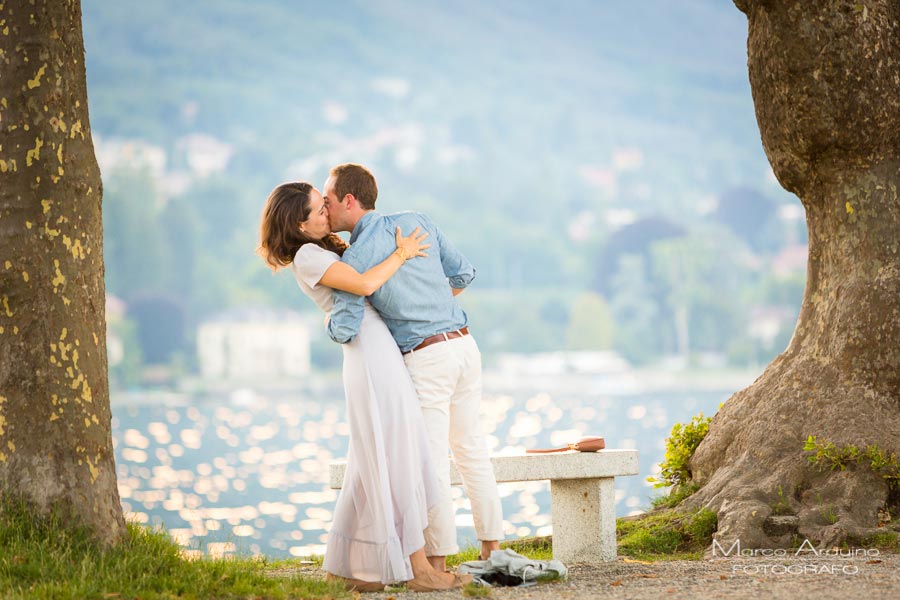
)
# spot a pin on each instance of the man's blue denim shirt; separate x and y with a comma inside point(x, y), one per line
point(416, 302)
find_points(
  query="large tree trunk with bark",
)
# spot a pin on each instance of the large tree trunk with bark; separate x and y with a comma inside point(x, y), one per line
point(825, 78)
point(55, 441)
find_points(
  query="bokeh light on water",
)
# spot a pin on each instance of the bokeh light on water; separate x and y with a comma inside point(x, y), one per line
point(249, 473)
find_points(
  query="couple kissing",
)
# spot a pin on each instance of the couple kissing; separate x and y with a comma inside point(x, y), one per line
point(411, 375)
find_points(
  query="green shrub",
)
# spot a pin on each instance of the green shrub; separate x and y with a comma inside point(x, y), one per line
point(680, 447)
point(828, 455)
point(782, 507)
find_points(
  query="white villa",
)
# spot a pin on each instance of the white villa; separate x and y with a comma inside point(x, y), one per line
point(253, 344)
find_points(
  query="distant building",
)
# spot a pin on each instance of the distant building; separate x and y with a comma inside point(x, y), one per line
point(252, 344)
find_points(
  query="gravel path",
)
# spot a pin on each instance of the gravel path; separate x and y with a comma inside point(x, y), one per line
point(779, 578)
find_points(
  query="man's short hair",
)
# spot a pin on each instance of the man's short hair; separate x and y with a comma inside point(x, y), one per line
point(355, 179)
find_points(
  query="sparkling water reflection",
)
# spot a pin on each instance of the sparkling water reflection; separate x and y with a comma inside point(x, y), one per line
point(249, 473)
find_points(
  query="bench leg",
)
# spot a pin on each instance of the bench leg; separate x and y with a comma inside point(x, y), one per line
point(584, 519)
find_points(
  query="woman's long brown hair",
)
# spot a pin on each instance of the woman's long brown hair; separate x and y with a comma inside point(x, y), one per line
point(279, 232)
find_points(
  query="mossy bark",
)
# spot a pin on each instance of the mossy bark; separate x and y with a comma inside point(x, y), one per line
point(825, 78)
point(55, 442)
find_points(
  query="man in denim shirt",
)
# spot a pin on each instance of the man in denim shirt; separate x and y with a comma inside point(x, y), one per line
point(419, 308)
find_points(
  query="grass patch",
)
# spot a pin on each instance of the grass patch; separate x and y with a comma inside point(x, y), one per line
point(666, 535)
point(830, 515)
point(675, 496)
point(537, 548)
point(295, 563)
point(43, 557)
point(889, 540)
point(464, 555)
point(476, 591)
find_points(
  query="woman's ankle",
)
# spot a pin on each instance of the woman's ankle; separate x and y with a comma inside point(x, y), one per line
point(422, 571)
point(420, 565)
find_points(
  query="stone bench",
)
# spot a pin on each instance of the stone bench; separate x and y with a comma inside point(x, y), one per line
point(582, 498)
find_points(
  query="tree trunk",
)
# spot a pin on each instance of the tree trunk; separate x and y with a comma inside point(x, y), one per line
point(55, 441)
point(826, 86)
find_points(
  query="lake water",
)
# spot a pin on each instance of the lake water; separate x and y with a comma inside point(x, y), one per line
point(247, 472)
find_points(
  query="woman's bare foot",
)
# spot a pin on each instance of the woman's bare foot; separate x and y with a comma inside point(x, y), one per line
point(355, 585)
point(426, 578)
point(436, 582)
point(433, 579)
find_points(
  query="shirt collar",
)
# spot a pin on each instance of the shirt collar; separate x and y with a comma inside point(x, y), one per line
point(362, 224)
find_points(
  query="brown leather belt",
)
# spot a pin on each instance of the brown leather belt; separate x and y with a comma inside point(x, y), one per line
point(440, 337)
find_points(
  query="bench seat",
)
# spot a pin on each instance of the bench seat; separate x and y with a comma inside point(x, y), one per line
point(582, 497)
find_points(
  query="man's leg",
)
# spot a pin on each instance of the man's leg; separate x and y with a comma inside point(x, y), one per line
point(470, 450)
point(434, 373)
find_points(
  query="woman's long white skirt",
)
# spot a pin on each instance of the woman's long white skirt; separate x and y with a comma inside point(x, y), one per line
point(390, 483)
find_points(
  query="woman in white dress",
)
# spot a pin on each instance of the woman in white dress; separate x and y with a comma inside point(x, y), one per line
point(376, 537)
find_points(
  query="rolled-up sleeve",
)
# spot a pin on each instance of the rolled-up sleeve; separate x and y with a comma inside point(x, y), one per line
point(346, 318)
point(347, 314)
point(457, 268)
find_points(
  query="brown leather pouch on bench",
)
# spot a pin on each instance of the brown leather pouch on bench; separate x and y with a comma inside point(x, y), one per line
point(585, 444)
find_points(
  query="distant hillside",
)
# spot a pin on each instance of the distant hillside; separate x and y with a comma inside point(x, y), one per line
point(532, 133)
point(596, 74)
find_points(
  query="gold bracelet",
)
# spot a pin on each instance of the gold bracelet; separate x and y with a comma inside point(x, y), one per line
point(399, 252)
